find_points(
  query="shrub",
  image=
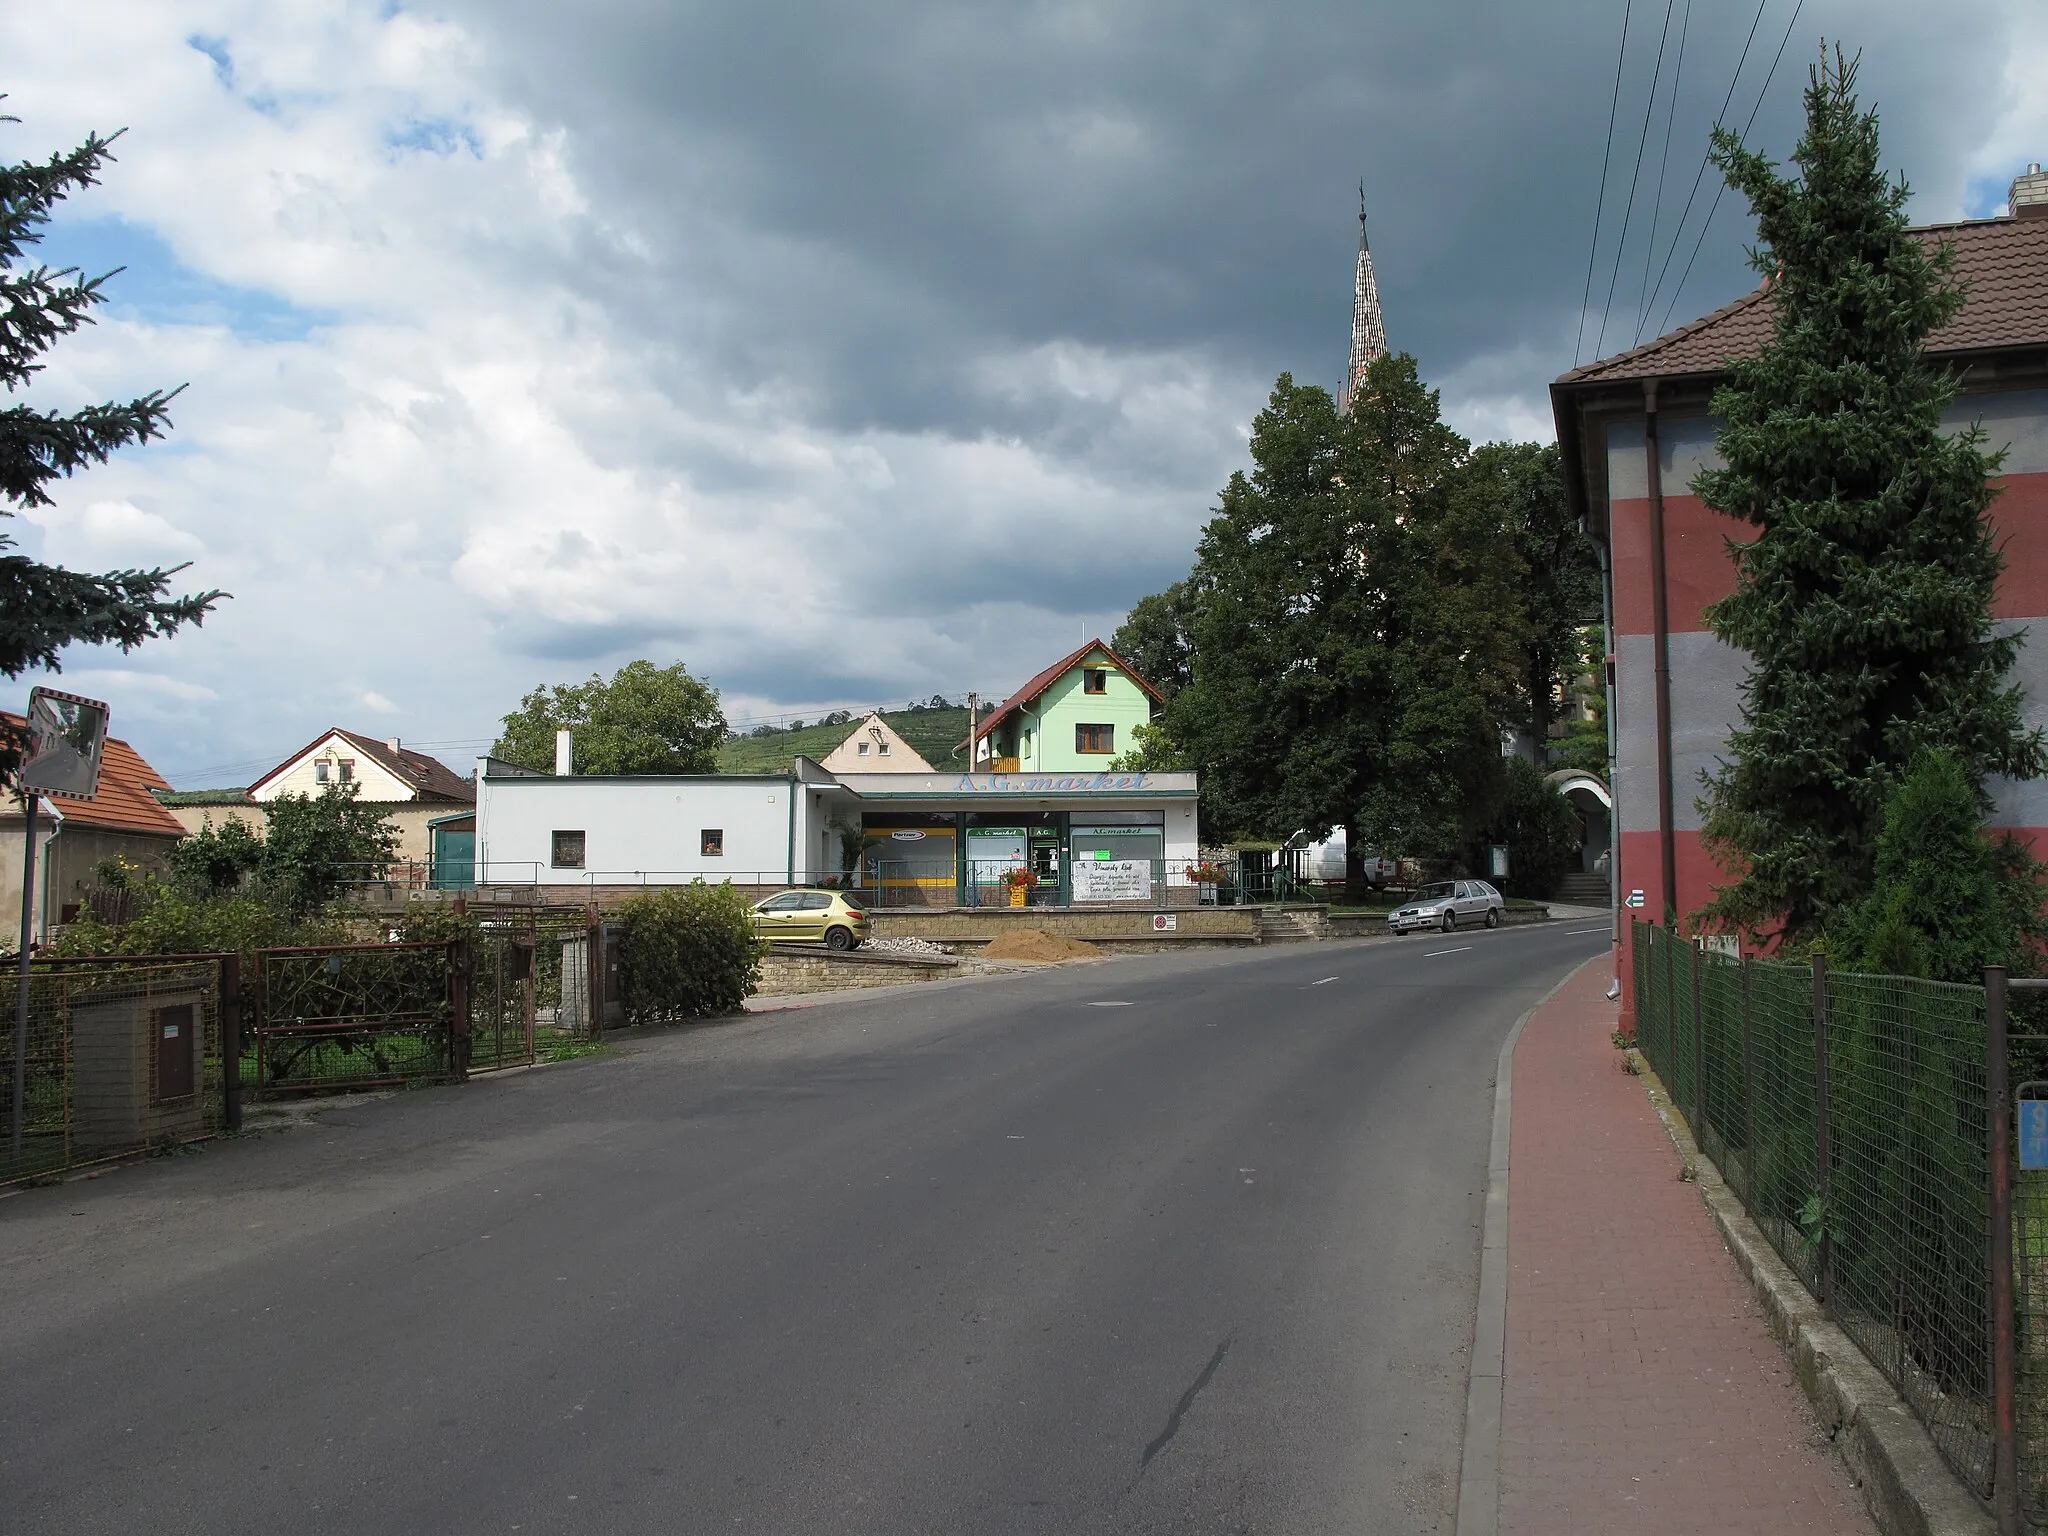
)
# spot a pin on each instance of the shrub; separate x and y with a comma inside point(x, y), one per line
point(171, 921)
point(1539, 826)
point(687, 952)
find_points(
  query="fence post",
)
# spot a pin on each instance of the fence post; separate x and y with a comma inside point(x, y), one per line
point(231, 1040)
point(593, 967)
point(1824, 1270)
point(458, 1008)
point(1699, 1055)
point(1998, 1144)
point(1748, 1090)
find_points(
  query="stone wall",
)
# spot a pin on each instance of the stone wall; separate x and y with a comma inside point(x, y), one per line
point(791, 968)
point(980, 924)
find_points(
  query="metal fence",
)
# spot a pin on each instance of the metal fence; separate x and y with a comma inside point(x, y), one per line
point(1854, 1117)
point(122, 1056)
point(354, 1016)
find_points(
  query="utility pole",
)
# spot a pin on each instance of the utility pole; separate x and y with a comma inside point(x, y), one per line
point(973, 706)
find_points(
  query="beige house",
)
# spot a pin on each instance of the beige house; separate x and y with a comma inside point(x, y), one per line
point(415, 789)
point(874, 747)
point(121, 820)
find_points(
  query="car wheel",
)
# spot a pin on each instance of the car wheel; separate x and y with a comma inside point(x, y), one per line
point(1450, 922)
point(839, 938)
point(1493, 917)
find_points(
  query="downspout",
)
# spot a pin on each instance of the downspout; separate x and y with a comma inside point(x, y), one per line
point(1607, 688)
point(792, 829)
point(1660, 618)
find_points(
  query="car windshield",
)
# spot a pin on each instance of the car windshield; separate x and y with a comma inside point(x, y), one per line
point(1441, 891)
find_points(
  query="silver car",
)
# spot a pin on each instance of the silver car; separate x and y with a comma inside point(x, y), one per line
point(1449, 905)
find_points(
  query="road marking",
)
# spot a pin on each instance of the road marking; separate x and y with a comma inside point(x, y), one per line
point(1110, 1005)
point(1577, 931)
point(1324, 982)
point(1458, 951)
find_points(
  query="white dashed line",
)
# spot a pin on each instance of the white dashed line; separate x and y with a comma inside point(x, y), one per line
point(1458, 951)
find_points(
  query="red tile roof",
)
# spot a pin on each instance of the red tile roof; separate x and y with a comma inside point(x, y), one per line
point(2002, 263)
point(123, 802)
point(428, 777)
point(1029, 693)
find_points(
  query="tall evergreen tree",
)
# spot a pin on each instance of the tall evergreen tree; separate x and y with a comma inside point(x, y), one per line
point(1864, 602)
point(44, 608)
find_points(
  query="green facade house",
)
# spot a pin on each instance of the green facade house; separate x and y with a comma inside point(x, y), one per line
point(1073, 717)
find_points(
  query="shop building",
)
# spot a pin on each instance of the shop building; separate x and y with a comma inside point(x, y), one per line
point(937, 839)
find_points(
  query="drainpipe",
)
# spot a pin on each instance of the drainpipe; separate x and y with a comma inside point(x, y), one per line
point(1660, 618)
point(1607, 688)
point(792, 829)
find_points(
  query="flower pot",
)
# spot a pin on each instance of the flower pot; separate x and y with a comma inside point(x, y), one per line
point(1018, 895)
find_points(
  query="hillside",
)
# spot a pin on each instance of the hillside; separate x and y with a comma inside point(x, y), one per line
point(934, 732)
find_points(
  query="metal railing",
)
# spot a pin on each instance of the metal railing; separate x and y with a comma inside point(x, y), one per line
point(1866, 1125)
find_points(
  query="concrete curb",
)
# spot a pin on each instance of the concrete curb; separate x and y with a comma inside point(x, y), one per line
point(1907, 1488)
point(1479, 1469)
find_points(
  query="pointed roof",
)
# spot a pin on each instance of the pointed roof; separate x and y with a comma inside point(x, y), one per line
point(1030, 693)
point(427, 777)
point(1368, 327)
point(123, 802)
point(2001, 263)
point(895, 755)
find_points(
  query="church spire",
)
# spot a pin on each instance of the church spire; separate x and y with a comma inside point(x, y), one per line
point(1368, 331)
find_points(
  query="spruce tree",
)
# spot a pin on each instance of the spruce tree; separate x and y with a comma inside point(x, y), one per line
point(44, 608)
point(1864, 602)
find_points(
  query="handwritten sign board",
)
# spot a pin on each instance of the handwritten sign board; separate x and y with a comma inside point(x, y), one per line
point(1112, 879)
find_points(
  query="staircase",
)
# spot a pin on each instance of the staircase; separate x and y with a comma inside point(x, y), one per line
point(1292, 925)
point(1582, 889)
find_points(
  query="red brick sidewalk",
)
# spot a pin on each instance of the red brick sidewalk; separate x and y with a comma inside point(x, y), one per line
point(1641, 1392)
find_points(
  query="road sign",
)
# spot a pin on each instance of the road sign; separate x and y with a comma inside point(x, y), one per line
point(67, 735)
point(2034, 1133)
point(1635, 899)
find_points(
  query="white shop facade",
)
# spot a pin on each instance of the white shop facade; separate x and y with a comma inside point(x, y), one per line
point(944, 839)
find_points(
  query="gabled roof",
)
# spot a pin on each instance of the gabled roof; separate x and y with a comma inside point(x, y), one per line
point(427, 777)
point(2002, 264)
point(1029, 694)
point(902, 756)
point(124, 802)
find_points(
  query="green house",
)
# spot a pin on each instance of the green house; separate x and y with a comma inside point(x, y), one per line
point(1073, 717)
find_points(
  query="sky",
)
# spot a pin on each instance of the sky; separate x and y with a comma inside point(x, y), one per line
point(847, 354)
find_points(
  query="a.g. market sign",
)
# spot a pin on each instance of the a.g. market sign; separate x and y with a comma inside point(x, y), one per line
point(1049, 783)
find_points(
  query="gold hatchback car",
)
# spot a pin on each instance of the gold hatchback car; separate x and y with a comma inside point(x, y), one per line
point(812, 916)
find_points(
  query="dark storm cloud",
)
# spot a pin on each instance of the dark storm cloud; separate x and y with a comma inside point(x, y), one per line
point(858, 200)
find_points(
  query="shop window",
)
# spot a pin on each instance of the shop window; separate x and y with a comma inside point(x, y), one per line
point(1095, 738)
point(711, 842)
point(1094, 680)
point(321, 769)
point(568, 850)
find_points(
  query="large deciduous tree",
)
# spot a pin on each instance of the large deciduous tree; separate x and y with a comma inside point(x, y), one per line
point(646, 719)
point(1864, 601)
point(44, 608)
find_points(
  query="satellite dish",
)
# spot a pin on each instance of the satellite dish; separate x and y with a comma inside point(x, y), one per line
point(67, 737)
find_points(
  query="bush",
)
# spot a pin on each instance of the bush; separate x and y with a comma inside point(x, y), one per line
point(1539, 826)
point(167, 920)
point(688, 952)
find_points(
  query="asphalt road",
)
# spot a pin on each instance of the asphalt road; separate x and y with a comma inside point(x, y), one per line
point(1182, 1243)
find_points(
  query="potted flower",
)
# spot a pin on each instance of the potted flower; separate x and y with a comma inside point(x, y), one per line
point(1018, 881)
point(1203, 874)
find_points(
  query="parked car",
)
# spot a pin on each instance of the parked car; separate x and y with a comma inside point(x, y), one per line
point(810, 916)
point(1449, 905)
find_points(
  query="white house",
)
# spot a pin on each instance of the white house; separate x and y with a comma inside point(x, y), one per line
point(874, 747)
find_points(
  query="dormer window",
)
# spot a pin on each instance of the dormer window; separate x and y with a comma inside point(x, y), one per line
point(1095, 679)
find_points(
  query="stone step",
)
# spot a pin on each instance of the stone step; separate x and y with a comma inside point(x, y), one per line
point(1582, 889)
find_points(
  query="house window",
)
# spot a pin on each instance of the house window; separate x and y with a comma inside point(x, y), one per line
point(348, 769)
point(863, 749)
point(1094, 738)
point(711, 842)
point(884, 749)
point(1095, 680)
point(321, 769)
point(568, 850)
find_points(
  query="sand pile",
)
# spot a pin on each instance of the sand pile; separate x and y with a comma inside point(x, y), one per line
point(1037, 944)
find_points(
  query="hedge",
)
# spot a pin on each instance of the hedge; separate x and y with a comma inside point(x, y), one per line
point(687, 952)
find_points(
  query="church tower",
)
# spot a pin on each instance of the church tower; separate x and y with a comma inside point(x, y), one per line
point(1368, 331)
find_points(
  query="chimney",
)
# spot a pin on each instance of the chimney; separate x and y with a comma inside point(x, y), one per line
point(2029, 196)
point(392, 743)
point(565, 756)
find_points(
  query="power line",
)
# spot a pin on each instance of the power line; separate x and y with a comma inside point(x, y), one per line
point(1642, 143)
point(1744, 139)
point(1600, 203)
point(1663, 166)
point(1678, 234)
